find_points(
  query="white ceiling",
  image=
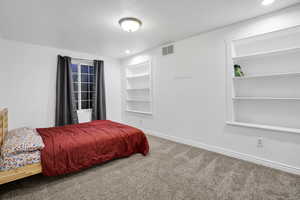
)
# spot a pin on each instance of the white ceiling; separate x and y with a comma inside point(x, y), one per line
point(92, 25)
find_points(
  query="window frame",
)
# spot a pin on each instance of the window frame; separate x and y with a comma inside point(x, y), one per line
point(79, 63)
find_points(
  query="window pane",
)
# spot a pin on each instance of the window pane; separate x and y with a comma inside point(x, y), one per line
point(76, 96)
point(84, 87)
point(87, 87)
point(91, 95)
point(85, 78)
point(75, 77)
point(85, 96)
point(92, 78)
point(92, 69)
point(74, 67)
point(84, 69)
point(75, 87)
point(85, 104)
point(91, 87)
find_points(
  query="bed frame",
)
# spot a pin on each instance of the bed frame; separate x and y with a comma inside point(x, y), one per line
point(19, 173)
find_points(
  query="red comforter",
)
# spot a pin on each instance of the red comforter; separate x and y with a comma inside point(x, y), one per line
point(74, 147)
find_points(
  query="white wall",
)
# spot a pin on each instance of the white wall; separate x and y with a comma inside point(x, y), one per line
point(28, 81)
point(189, 96)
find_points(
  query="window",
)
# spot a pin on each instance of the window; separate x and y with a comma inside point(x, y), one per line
point(84, 85)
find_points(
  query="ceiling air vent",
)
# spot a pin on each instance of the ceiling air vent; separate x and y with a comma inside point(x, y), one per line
point(168, 50)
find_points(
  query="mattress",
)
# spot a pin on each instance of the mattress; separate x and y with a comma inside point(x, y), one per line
point(75, 147)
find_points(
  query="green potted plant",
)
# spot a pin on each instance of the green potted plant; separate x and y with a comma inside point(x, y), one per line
point(238, 71)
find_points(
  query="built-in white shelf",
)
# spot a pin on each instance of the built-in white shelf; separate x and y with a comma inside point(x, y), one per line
point(138, 76)
point(137, 100)
point(282, 75)
point(139, 112)
point(267, 53)
point(266, 98)
point(146, 88)
point(264, 127)
point(138, 80)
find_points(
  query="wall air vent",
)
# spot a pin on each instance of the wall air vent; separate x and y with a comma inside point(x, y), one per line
point(168, 50)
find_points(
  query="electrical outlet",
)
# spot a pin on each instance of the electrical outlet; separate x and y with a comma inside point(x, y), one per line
point(260, 142)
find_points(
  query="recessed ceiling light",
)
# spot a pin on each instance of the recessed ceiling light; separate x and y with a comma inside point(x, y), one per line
point(127, 51)
point(267, 2)
point(130, 24)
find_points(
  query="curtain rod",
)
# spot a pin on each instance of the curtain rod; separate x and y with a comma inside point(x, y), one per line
point(82, 59)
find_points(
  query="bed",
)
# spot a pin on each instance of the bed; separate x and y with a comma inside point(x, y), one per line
point(22, 172)
point(76, 147)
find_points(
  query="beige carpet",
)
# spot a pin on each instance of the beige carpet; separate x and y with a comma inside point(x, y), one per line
point(171, 171)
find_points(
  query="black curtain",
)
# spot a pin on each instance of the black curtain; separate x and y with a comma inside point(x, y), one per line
point(65, 99)
point(99, 105)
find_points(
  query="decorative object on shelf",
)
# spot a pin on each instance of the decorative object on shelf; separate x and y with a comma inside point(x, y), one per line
point(238, 71)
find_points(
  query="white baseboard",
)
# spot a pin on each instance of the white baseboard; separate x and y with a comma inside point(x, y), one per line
point(228, 152)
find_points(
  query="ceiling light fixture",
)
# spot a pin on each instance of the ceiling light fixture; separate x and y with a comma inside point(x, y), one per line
point(130, 24)
point(127, 51)
point(267, 2)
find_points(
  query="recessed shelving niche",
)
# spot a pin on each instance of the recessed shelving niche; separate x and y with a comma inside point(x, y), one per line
point(268, 95)
point(139, 88)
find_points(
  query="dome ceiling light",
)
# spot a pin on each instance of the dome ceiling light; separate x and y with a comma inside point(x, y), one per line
point(267, 2)
point(130, 24)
